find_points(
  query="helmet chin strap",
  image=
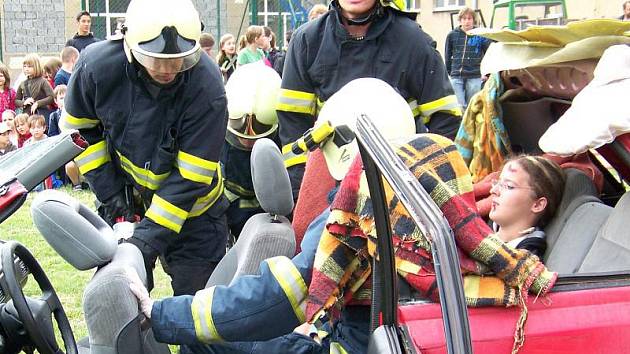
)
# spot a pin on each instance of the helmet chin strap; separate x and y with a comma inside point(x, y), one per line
point(375, 12)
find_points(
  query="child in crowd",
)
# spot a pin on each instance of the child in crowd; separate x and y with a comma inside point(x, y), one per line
point(37, 128)
point(256, 40)
point(69, 56)
point(524, 199)
point(6, 146)
point(35, 93)
point(226, 59)
point(8, 117)
point(206, 41)
point(270, 49)
point(53, 120)
point(51, 68)
point(22, 128)
point(7, 94)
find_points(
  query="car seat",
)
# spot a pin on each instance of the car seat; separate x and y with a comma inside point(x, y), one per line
point(572, 231)
point(611, 250)
point(266, 234)
point(85, 241)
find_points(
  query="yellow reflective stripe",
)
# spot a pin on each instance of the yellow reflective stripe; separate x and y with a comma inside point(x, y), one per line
point(201, 307)
point(166, 214)
point(296, 101)
point(232, 186)
point(94, 156)
point(290, 158)
point(291, 282)
point(143, 177)
point(447, 103)
point(195, 168)
point(413, 104)
point(204, 203)
point(337, 348)
point(70, 122)
point(248, 203)
point(229, 195)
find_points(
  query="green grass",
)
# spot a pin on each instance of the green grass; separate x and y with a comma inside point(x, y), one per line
point(67, 281)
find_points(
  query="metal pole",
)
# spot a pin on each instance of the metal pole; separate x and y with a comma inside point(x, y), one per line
point(254, 9)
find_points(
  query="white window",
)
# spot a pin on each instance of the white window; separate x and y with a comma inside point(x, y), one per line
point(449, 4)
point(107, 16)
point(414, 5)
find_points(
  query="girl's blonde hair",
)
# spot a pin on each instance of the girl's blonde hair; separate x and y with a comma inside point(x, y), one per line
point(7, 77)
point(33, 60)
point(222, 54)
point(21, 118)
point(242, 42)
point(253, 32)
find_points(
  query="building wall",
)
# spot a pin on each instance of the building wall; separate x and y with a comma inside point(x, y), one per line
point(437, 22)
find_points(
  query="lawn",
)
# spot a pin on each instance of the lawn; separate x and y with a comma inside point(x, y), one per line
point(67, 281)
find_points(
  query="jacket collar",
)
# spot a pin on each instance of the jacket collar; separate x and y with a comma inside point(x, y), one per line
point(377, 27)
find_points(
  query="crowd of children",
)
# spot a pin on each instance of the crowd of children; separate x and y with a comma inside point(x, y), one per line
point(31, 113)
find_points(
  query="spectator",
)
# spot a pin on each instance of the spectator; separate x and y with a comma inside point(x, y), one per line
point(6, 145)
point(242, 43)
point(7, 94)
point(227, 56)
point(278, 65)
point(8, 117)
point(270, 49)
point(69, 56)
point(626, 11)
point(53, 120)
point(34, 94)
point(51, 68)
point(22, 128)
point(83, 37)
point(256, 40)
point(463, 57)
point(316, 11)
point(37, 128)
point(206, 41)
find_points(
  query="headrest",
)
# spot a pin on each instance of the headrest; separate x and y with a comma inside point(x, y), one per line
point(77, 233)
point(270, 178)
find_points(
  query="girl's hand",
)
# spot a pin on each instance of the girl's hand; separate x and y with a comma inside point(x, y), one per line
point(29, 101)
point(34, 108)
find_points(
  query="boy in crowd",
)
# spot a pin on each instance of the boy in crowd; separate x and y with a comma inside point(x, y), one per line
point(53, 120)
point(69, 56)
point(206, 41)
point(37, 127)
point(6, 146)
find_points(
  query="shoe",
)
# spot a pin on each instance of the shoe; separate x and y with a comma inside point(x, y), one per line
point(78, 187)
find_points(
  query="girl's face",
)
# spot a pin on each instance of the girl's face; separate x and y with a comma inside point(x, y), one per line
point(22, 128)
point(262, 42)
point(10, 121)
point(229, 47)
point(513, 199)
point(2, 80)
point(28, 70)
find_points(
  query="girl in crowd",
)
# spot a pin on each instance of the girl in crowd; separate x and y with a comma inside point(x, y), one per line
point(270, 49)
point(226, 59)
point(23, 129)
point(50, 70)
point(35, 93)
point(8, 116)
point(524, 199)
point(7, 94)
point(256, 40)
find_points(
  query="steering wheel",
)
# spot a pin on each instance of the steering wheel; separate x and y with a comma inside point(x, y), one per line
point(41, 330)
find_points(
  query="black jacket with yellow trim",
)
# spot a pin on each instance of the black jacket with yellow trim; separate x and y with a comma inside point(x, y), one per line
point(322, 58)
point(166, 141)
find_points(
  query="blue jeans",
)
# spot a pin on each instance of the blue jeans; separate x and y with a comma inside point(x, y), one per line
point(465, 88)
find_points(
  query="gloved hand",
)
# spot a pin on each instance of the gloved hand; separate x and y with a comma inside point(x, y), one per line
point(116, 207)
point(140, 292)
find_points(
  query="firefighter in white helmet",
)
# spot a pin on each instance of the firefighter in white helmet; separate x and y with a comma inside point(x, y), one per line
point(267, 307)
point(153, 109)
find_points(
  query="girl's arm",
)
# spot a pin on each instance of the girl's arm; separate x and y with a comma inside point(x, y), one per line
point(47, 94)
point(19, 95)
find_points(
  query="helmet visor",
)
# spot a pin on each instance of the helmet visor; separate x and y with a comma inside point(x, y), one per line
point(167, 65)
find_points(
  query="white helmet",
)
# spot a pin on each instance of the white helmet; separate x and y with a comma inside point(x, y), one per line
point(163, 35)
point(389, 112)
point(252, 92)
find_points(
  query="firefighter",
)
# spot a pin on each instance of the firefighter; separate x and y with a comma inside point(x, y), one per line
point(367, 38)
point(252, 92)
point(269, 305)
point(153, 109)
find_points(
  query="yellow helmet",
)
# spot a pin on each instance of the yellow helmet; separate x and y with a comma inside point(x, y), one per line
point(163, 35)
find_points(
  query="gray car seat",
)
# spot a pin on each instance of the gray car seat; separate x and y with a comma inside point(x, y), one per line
point(611, 250)
point(85, 241)
point(572, 231)
point(267, 234)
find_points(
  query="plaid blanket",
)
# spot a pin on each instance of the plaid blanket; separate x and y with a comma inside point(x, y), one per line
point(494, 273)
